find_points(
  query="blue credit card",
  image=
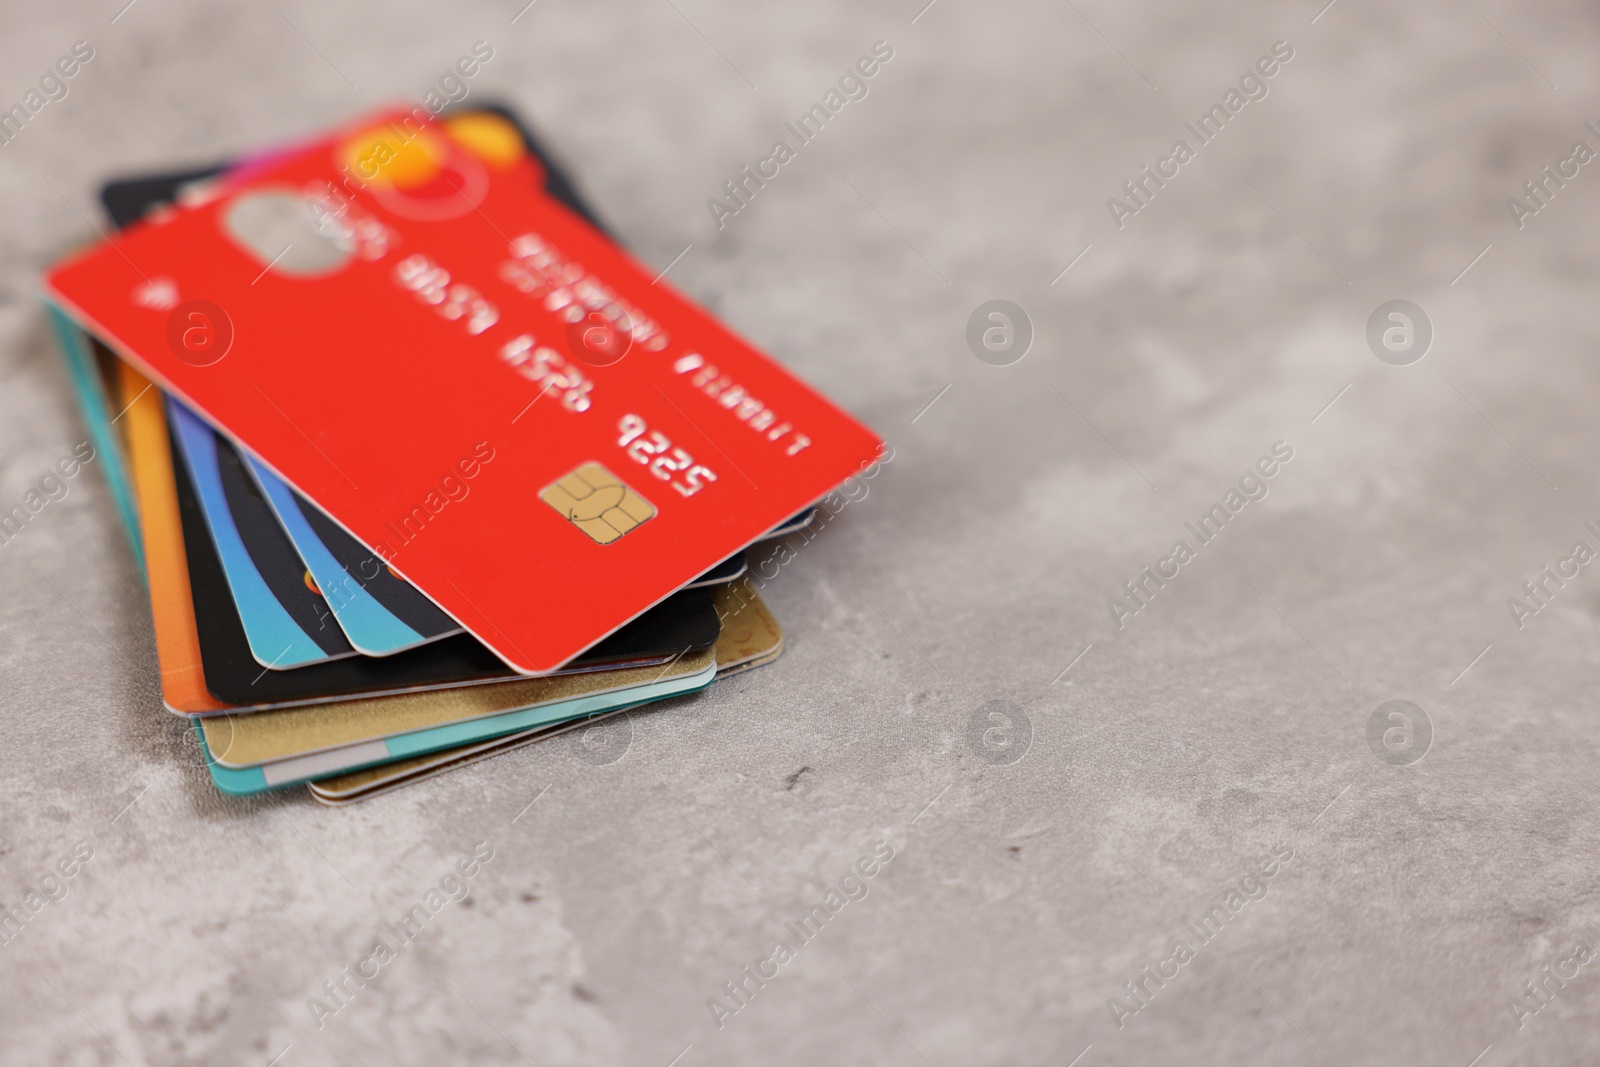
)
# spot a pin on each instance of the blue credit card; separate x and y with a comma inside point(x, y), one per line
point(379, 612)
point(243, 781)
point(287, 623)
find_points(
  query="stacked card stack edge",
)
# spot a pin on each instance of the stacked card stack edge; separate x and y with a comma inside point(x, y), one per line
point(374, 734)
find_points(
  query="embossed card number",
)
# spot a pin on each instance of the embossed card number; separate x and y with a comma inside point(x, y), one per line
point(431, 283)
point(653, 449)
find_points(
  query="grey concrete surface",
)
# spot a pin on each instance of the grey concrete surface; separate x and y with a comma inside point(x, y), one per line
point(1164, 757)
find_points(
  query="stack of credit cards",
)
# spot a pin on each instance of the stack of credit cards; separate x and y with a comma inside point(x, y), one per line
point(421, 465)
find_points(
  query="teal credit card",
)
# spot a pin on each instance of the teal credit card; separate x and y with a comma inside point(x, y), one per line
point(89, 388)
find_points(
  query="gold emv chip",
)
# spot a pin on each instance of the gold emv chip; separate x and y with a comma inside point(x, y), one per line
point(598, 503)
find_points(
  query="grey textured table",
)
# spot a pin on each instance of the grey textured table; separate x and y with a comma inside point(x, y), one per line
point(1167, 747)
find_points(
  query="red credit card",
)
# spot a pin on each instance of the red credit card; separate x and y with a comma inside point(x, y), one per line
point(469, 378)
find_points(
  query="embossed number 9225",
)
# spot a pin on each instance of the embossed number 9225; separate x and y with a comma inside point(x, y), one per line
point(653, 449)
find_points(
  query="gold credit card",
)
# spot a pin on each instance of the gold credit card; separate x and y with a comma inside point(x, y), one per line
point(267, 736)
point(750, 638)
